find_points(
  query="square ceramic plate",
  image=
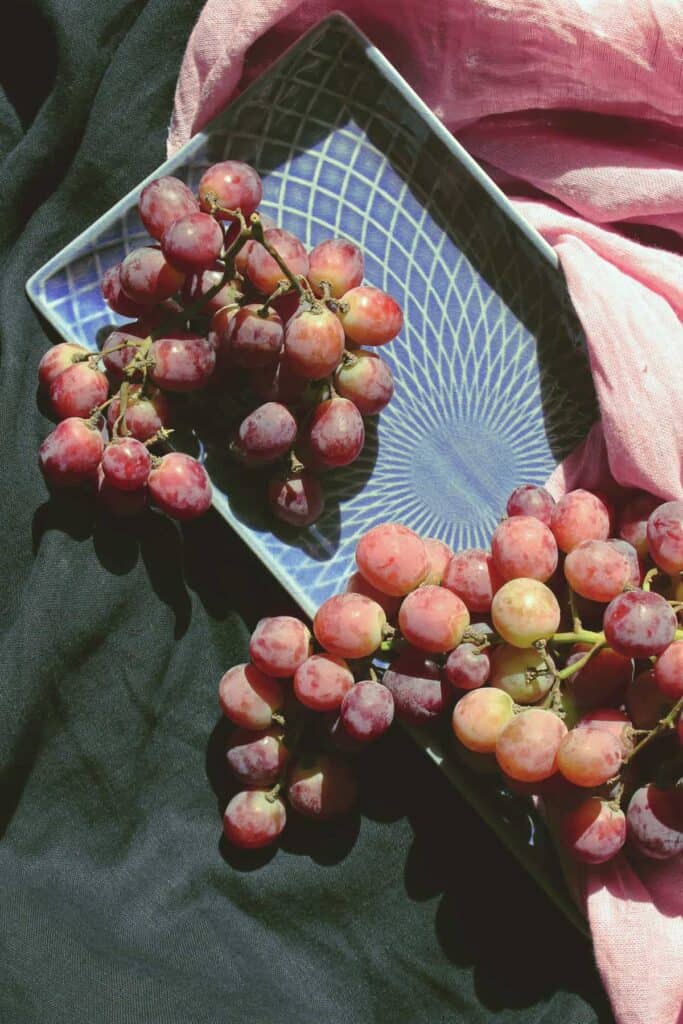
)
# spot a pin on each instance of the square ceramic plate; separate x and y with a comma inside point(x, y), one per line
point(492, 384)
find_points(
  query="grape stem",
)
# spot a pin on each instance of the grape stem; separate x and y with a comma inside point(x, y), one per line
point(668, 722)
point(649, 576)
point(282, 289)
point(569, 670)
point(577, 625)
point(272, 794)
point(120, 427)
point(579, 636)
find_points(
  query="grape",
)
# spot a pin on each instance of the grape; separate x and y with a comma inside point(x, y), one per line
point(665, 536)
point(147, 277)
point(530, 500)
point(415, 683)
point(118, 502)
point(527, 747)
point(527, 674)
point(633, 520)
point(126, 464)
point(220, 334)
point(472, 575)
point(314, 343)
point(367, 710)
point(669, 671)
point(236, 186)
point(115, 297)
point(266, 434)
point(199, 284)
point(524, 546)
point(631, 556)
point(338, 262)
point(56, 360)
point(193, 242)
point(602, 680)
point(322, 787)
point(349, 625)
point(163, 202)
point(524, 611)
point(71, 453)
point(296, 499)
point(369, 316)
point(645, 703)
point(183, 361)
point(322, 681)
point(639, 624)
point(115, 362)
point(611, 720)
point(365, 380)
point(145, 415)
point(287, 306)
point(249, 697)
point(336, 433)
point(467, 667)
point(254, 819)
point(255, 340)
point(280, 644)
point(595, 831)
point(357, 584)
point(263, 270)
point(77, 391)
point(257, 758)
point(589, 756)
point(480, 717)
point(392, 558)
point(438, 555)
point(655, 821)
point(578, 516)
point(433, 619)
point(595, 569)
point(180, 486)
point(278, 383)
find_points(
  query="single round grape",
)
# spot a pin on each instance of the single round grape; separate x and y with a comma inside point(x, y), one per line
point(256, 340)
point(654, 820)
point(665, 536)
point(145, 415)
point(56, 360)
point(115, 358)
point(645, 703)
point(349, 625)
point(164, 201)
point(438, 555)
point(287, 306)
point(336, 433)
point(669, 671)
point(77, 391)
point(193, 242)
point(249, 697)
point(433, 619)
point(633, 520)
point(124, 504)
point(365, 380)
point(524, 611)
point(198, 285)
point(126, 463)
point(593, 832)
point(602, 680)
point(257, 758)
point(531, 500)
point(589, 756)
point(579, 516)
point(612, 720)
point(420, 694)
point(234, 185)
point(254, 819)
point(524, 546)
point(338, 262)
point(367, 710)
point(264, 271)
point(147, 277)
point(527, 747)
point(370, 316)
point(183, 361)
point(71, 453)
point(314, 343)
point(266, 434)
point(467, 667)
point(322, 681)
point(631, 555)
point(480, 717)
point(180, 486)
point(115, 297)
point(322, 787)
point(277, 382)
point(357, 584)
point(392, 558)
point(595, 569)
point(639, 624)
point(296, 498)
point(527, 674)
point(472, 575)
point(279, 644)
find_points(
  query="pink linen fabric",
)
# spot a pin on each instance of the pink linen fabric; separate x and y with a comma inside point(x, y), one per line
point(576, 108)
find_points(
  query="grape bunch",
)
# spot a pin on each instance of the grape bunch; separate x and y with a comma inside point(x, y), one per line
point(556, 655)
point(222, 299)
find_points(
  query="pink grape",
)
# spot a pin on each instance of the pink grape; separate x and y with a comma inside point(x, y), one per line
point(77, 391)
point(612, 720)
point(367, 710)
point(130, 335)
point(597, 570)
point(524, 546)
point(392, 558)
point(579, 516)
point(527, 747)
point(336, 433)
point(145, 415)
point(115, 297)
point(256, 340)
point(287, 305)
point(254, 819)
point(183, 361)
point(357, 584)
point(279, 644)
point(124, 504)
point(665, 536)
point(589, 756)
point(645, 703)
point(277, 382)
point(524, 611)
point(164, 201)
point(480, 717)
point(193, 242)
point(602, 680)
point(593, 832)
point(147, 277)
point(639, 624)
point(322, 787)
point(349, 625)
point(180, 486)
point(266, 434)
point(369, 316)
point(338, 262)
point(296, 499)
point(654, 821)
point(322, 681)
point(527, 674)
point(531, 500)
point(249, 697)
point(263, 270)
point(438, 555)
point(472, 575)
point(198, 285)
point(257, 758)
point(314, 343)
point(420, 694)
point(467, 667)
point(669, 671)
point(433, 619)
point(367, 381)
point(126, 464)
point(71, 453)
point(235, 185)
point(56, 360)
point(631, 556)
point(633, 520)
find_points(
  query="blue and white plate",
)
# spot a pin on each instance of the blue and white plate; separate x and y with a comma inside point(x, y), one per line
point(492, 384)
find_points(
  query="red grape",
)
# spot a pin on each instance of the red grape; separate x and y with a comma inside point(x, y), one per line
point(296, 499)
point(665, 536)
point(645, 703)
point(631, 556)
point(338, 262)
point(180, 486)
point(314, 343)
point(257, 758)
point(236, 186)
point(438, 555)
point(349, 625)
point(322, 787)
point(322, 681)
point(199, 284)
point(266, 434)
point(372, 317)
point(357, 584)
point(433, 619)
point(669, 671)
point(336, 433)
point(130, 335)
point(524, 546)
point(183, 361)
point(602, 680)
point(639, 624)
point(163, 202)
point(595, 569)
point(524, 611)
point(633, 520)
point(419, 692)
point(467, 667)
point(77, 391)
point(480, 717)
point(145, 415)
point(126, 464)
point(472, 575)
point(147, 277)
point(193, 242)
point(56, 360)
point(280, 644)
point(527, 674)
point(277, 382)
point(71, 453)
point(589, 756)
point(595, 831)
point(655, 822)
point(367, 381)
point(531, 500)
point(611, 720)
point(264, 271)
point(527, 747)
point(115, 297)
point(367, 710)
point(578, 516)
point(254, 819)
point(392, 558)
point(255, 340)
point(249, 697)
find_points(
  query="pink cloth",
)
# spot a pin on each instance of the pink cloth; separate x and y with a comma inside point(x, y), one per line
point(578, 103)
